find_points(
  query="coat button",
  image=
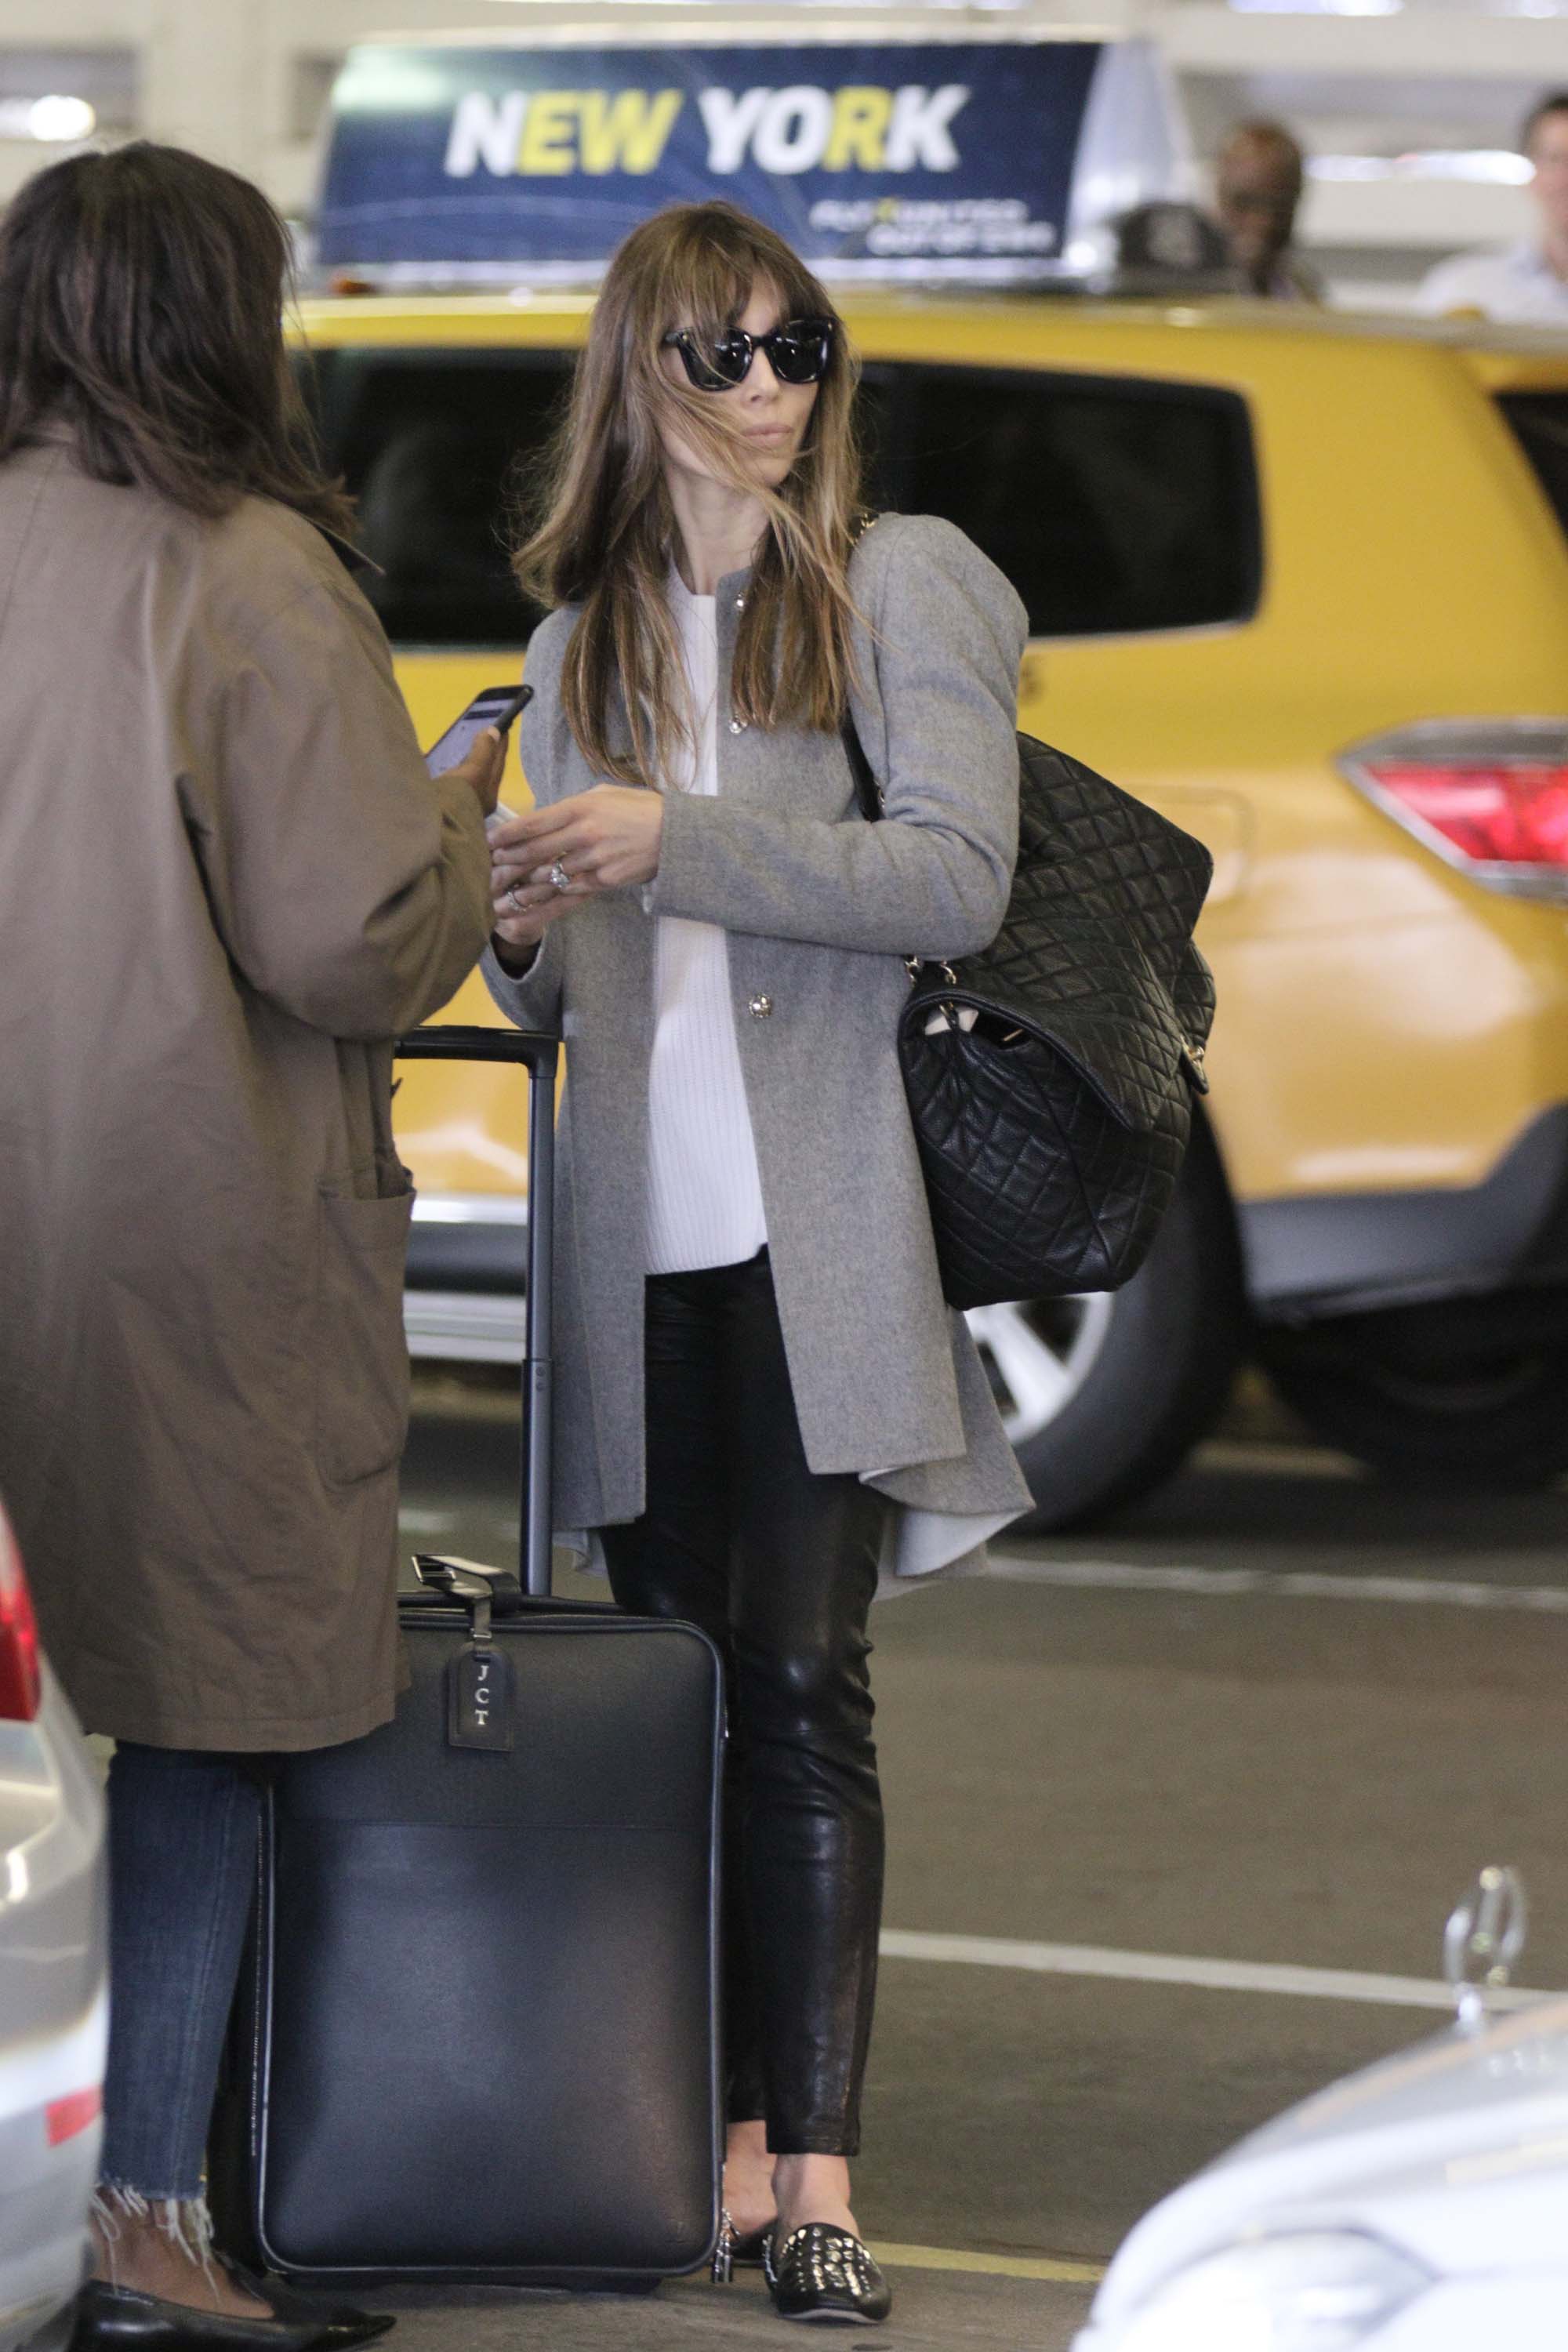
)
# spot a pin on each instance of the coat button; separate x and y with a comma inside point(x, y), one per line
point(737, 726)
point(760, 1007)
point(739, 603)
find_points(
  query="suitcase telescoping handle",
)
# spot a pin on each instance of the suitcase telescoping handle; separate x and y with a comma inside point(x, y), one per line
point(540, 1056)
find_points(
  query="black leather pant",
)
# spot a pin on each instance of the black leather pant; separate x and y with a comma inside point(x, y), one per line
point(778, 1566)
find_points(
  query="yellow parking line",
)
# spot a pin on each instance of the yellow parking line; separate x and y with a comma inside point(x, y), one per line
point(950, 2258)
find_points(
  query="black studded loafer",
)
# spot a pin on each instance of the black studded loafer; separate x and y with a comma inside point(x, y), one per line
point(823, 2274)
point(119, 2319)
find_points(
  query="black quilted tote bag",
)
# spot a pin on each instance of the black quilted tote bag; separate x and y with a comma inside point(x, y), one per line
point(1052, 1128)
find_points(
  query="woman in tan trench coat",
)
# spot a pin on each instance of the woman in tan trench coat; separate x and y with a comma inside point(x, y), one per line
point(225, 883)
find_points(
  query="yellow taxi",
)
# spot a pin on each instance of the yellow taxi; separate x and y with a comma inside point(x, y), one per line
point(1299, 581)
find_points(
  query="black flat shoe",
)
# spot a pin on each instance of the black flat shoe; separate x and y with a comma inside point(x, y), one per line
point(340, 2324)
point(823, 2274)
point(119, 2319)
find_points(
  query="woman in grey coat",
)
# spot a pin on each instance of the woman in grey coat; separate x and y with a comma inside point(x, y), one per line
point(765, 1399)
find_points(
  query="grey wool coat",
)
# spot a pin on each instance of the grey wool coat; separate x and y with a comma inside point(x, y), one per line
point(225, 883)
point(820, 909)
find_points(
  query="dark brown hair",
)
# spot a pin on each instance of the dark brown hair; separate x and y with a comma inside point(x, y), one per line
point(1270, 140)
point(605, 529)
point(141, 305)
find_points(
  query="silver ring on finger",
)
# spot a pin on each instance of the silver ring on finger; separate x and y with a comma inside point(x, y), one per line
point(559, 877)
point(512, 898)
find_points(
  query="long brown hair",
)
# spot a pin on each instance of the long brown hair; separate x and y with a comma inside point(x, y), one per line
point(604, 531)
point(141, 305)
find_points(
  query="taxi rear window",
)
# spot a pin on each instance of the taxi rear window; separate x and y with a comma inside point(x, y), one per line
point(1540, 422)
point(434, 447)
point(1114, 505)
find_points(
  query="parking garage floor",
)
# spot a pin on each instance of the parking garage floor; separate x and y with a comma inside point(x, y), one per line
point(1161, 1800)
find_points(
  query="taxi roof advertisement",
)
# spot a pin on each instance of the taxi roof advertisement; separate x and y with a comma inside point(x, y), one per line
point(467, 160)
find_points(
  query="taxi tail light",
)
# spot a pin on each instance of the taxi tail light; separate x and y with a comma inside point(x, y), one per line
point(1490, 796)
point(21, 1668)
point(65, 2118)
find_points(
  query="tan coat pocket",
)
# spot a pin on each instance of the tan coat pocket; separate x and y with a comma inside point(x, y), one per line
point(361, 1357)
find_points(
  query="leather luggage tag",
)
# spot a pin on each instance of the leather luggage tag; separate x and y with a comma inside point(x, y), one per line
point(481, 1699)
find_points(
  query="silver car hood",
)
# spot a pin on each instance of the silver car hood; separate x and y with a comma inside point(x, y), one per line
point(1456, 2150)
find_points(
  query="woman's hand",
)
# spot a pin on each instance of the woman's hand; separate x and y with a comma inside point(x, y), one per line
point(523, 913)
point(604, 838)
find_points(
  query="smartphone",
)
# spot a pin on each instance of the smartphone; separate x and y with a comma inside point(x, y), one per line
point(495, 706)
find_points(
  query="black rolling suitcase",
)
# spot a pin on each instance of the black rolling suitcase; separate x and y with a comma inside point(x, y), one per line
point(477, 2033)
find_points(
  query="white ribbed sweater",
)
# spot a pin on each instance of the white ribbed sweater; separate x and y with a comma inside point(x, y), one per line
point(704, 1195)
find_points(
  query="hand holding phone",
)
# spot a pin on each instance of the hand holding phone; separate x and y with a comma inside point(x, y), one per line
point(481, 768)
point(493, 706)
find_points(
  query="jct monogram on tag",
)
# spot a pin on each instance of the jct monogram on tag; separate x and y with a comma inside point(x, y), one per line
point(481, 1699)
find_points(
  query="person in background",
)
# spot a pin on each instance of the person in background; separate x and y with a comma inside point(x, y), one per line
point(1258, 180)
point(1524, 284)
point(227, 884)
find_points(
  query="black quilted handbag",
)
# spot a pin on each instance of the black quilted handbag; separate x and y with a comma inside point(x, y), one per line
point(1052, 1130)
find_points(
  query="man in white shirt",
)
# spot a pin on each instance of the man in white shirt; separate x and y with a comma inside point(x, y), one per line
point(1526, 285)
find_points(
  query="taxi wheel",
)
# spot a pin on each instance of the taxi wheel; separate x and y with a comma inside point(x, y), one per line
point(1497, 1421)
point(1103, 1396)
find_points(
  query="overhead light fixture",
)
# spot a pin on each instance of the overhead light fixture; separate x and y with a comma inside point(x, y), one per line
point(61, 120)
point(970, 6)
point(1317, 8)
point(1494, 166)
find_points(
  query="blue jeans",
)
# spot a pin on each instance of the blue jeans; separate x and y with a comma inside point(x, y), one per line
point(183, 1831)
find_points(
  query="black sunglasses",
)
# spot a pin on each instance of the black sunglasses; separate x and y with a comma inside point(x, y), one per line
point(798, 353)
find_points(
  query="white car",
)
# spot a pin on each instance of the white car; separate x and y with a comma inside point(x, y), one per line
point(54, 2009)
point(1420, 2205)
